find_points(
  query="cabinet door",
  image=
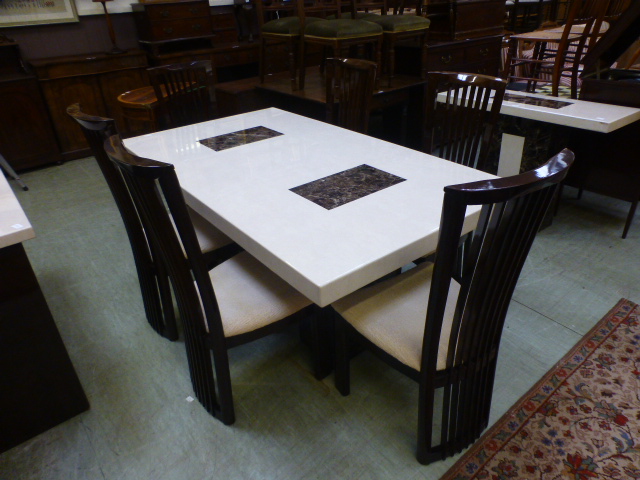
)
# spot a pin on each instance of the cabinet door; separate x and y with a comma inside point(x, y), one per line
point(113, 84)
point(26, 136)
point(62, 92)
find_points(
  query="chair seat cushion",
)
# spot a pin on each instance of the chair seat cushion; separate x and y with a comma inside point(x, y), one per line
point(392, 314)
point(286, 25)
point(400, 23)
point(342, 28)
point(250, 296)
point(209, 237)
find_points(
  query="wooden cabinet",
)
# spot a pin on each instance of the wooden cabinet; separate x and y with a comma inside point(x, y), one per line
point(478, 55)
point(27, 139)
point(172, 21)
point(462, 19)
point(94, 81)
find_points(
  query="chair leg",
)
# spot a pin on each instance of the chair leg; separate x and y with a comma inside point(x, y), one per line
point(342, 367)
point(262, 60)
point(632, 212)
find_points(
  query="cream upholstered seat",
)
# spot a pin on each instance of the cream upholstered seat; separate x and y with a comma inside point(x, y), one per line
point(441, 325)
point(238, 301)
point(392, 314)
point(210, 238)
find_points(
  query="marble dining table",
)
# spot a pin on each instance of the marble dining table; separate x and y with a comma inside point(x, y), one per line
point(327, 209)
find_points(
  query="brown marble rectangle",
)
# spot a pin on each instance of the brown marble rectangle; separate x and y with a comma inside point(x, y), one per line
point(539, 102)
point(344, 187)
point(241, 137)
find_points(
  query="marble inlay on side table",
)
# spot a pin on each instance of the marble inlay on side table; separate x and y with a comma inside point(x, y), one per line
point(344, 187)
point(540, 102)
point(241, 137)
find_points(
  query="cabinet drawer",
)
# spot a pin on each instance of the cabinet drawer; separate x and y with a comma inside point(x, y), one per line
point(172, 29)
point(478, 53)
point(177, 11)
point(445, 59)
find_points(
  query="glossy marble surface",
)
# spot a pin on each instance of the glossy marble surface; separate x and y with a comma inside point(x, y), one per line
point(235, 139)
point(325, 254)
point(344, 187)
point(14, 224)
point(597, 117)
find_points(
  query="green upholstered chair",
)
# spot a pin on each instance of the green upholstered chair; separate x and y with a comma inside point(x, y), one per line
point(335, 33)
point(396, 28)
point(279, 25)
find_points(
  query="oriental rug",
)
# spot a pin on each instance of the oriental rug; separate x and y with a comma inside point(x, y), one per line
point(581, 421)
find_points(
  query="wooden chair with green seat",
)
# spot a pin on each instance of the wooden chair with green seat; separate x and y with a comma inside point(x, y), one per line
point(397, 28)
point(443, 330)
point(234, 303)
point(279, 24)
point(152, 276)
point(336, 34)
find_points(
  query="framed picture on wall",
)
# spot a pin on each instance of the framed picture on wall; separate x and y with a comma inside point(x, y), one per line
point(15, 13)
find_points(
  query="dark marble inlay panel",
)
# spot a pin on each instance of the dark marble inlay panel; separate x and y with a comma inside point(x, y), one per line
point(539, 102)
point(241, 137)
point(344, 187)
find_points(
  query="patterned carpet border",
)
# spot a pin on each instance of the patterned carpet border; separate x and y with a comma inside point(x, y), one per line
point(541, 404)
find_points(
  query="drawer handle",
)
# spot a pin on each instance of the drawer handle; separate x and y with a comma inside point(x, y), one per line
point(196, 26)
point(168, 30)
point(446, 59)
point(164, 13)
point(484, 51)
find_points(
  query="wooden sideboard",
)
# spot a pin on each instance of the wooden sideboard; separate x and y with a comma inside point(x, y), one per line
point(94, 81)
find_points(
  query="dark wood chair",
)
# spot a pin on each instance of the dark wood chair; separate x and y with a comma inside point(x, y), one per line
point(397, 29)
point(154, 285)
point(350, 84)
point(460, 127)
point(525, 15)
point(335, 34)
point(183, 91)
point(444, 331)
point(249, 301)
point(556, 53)
point(279, 25)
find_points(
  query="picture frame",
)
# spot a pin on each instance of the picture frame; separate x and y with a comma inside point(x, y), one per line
point(15, 13)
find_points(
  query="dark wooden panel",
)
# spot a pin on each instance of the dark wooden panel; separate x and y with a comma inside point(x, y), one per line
point(26, 137)
point(40, 388)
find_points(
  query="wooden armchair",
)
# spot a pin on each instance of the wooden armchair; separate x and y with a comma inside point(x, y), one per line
point(444, 331)
point(183, 91)
point(459, 121)
point(248, 303)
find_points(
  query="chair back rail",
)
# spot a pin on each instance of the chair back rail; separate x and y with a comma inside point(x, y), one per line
point(461, 127)
point(512, 211)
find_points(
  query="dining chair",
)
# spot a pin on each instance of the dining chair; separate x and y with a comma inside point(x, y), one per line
point(350, 84)
point(183, 91)
point(458, 120)
point(441, 330)
point(152, 276)
point(238, 301)
point(556, 52)
point(279, 25)
point(335, 33)
point(397, 28)
point(525, 15)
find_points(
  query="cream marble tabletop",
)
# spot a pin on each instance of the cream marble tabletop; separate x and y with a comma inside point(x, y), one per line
point(325, 253)
point(14, 225)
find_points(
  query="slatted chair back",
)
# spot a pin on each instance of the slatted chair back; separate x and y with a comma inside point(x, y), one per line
point(158, 307)
point(459, 120)
point(160, 204)
point(350, 84)
point(512, 211)
point(183, 91)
